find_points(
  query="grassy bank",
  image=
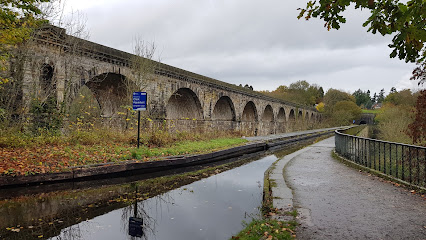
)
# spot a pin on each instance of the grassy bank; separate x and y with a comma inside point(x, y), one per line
point(370, 110)
point(25, 154)
point(268, 229)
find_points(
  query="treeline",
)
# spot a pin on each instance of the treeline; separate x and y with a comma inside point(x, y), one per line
point(366, 101)
point(299, 92)
point(400, 115)
point(396, 114)
point(339, 107)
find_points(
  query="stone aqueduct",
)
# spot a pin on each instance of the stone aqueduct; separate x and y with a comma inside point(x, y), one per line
point(180, 98)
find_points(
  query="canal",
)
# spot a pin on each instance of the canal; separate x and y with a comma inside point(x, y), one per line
point(213, 207)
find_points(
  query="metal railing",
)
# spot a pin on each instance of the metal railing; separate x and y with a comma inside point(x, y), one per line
point(401, 161)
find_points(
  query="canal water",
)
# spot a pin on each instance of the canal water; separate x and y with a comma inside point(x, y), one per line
point(211, 208)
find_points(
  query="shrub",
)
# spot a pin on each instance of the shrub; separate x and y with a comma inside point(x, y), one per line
point(392, 122)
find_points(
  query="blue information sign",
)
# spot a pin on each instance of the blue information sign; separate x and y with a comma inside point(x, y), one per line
point(139, 101)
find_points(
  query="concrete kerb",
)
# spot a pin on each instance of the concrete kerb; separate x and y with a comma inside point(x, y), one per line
point(282, 195)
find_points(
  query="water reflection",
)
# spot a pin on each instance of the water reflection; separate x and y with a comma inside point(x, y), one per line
point(212, 208)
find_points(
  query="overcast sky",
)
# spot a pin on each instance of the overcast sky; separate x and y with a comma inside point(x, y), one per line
point(260, 43)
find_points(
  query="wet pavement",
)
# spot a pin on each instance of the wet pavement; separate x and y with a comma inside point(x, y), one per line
point(335, 201)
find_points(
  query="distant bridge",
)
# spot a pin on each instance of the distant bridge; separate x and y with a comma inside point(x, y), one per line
point(59, 64)
point(366, 118)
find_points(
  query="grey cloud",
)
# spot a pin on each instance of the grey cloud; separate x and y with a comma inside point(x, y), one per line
point(258, 43)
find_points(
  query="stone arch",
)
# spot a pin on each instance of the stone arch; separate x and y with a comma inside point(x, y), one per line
point(268, 114)
point(249, 112)
point(291, 116)
point(47, 84)
point(267, 125)
point(292, 120)
point(84, 104)
point(110, 91)
point(280, 119)
point(300, 116)
point(312, 118)
point(224, 109)
point(281, 115)
point(184, 104)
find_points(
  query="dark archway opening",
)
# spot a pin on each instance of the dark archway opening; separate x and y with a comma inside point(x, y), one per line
point(111, 93)
point(268, 114)
point(281, 115)
point(184, 104)
point(281, 120)
point(47, 85)
point(249, 113)
point(224, 110)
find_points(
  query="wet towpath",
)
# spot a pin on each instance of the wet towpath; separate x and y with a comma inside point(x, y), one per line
point(335, 201)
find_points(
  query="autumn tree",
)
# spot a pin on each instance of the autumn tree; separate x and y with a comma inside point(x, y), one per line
point(404, 20)
point(17, 20)
point(404, 97)
point(320, 107)
point(417, 129)
point(299, 92)
point(333, 96)
point(344, 112)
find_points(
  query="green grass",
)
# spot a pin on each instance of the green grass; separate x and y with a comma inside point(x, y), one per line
point(188, 147)
point(267, 229)
point(370, 110)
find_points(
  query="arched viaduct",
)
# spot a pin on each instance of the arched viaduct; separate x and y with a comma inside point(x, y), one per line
point(57, 64)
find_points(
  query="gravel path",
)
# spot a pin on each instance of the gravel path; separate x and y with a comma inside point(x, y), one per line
point(335, 201)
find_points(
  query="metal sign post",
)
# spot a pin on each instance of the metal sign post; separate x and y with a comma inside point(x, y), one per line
point(139, 104)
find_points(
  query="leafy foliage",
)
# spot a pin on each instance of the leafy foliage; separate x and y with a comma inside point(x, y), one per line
point(417, 129)
point(46, 116)
point(363, 99)
point(267, 229)
point(333, 96)
point(24, 154)
point(299, 92)
point(320, 107)
point(405, 20)
point(404, 97)
point(17, 19)
point(392, 121)
point(344, 112)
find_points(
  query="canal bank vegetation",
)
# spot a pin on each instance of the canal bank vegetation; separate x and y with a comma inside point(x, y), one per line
point(402, 118)
point(268, 230)
point(23, 153)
